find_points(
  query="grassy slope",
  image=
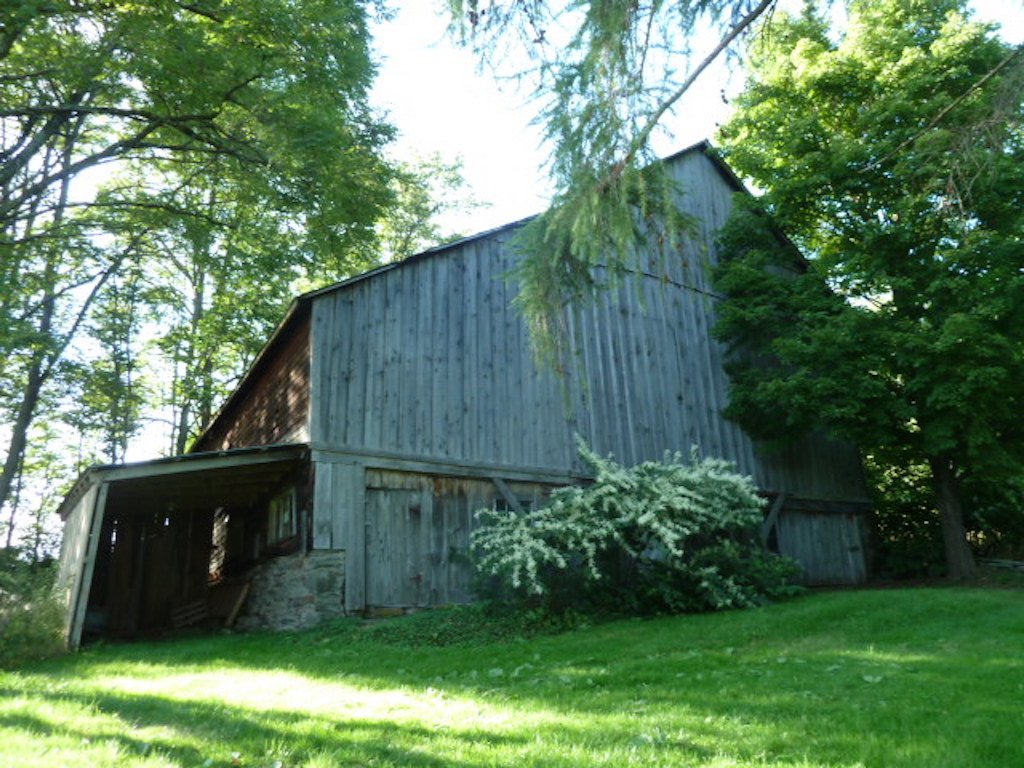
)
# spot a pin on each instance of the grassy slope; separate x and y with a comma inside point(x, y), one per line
point(926, 677)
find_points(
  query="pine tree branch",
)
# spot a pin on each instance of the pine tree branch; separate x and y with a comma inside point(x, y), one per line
point(735, 31)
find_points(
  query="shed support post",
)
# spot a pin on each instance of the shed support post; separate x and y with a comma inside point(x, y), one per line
point(80, 595)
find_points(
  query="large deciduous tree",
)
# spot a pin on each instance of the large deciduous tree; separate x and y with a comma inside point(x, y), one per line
point(269, 94)
point(425, 190)
point(893, 155)
point(220, 277)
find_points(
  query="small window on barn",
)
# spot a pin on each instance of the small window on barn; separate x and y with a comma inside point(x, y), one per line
point(281, 518)
point(501, 504)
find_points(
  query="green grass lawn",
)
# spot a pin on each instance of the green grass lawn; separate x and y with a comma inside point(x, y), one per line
point(901, 677)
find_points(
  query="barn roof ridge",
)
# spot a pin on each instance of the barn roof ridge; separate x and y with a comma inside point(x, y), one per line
point(703, 146)
point(419, 256)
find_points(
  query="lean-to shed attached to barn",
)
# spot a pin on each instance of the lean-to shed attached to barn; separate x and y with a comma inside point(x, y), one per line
point(389, 407)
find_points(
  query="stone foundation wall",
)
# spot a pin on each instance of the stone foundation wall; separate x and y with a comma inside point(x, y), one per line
point(295, 592)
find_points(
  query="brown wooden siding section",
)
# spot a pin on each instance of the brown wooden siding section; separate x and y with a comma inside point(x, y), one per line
point(272, 406)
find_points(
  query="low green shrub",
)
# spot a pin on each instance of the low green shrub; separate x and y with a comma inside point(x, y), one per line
point(668, 536)
point(908, 529)
point(30, 618)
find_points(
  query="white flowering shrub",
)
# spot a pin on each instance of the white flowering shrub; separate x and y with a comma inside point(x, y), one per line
point(673, 535)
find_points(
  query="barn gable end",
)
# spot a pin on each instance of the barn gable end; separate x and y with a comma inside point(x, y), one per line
point(427, 368)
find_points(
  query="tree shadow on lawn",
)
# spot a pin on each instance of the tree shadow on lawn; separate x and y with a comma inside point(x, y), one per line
point(885, 680)
point(193, 733)
point(680, 706)
point(942, 694)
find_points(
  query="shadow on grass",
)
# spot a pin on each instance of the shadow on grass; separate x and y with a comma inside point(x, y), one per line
point(893, 679)
point(199, 734)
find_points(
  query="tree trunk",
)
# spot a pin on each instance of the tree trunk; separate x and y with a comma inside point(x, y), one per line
point(959, 557)
point(42, 366)
point(19, 431)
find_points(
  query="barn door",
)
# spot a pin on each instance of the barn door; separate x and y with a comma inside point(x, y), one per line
point(397, 562)
point(827, 545)
point(417, 537)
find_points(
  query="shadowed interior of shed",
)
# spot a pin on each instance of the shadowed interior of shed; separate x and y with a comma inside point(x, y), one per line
point(157, 560)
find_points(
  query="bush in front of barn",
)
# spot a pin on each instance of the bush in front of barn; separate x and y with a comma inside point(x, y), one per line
point(30, 618)
point(660, 537)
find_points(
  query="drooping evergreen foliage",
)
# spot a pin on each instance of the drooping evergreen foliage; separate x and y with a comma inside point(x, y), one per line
point(668, 536)
point(893, 155)
point(605, 75)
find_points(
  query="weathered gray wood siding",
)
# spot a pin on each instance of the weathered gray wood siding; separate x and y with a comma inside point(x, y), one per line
point(82, 522)
point(418, 535)
point(828, 545)
point(429, 361)
point(417, 538)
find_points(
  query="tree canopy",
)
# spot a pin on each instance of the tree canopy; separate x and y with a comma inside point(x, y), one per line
point(425, 189)
point(893, 155)
point(275, 85)
point(183, 162)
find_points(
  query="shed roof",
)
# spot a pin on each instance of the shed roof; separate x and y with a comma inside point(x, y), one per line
point(209, 479)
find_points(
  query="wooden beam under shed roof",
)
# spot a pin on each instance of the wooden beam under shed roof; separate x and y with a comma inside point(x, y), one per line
point(228, 478)
point(198, 462)
point(237, 485)
point(251, 467)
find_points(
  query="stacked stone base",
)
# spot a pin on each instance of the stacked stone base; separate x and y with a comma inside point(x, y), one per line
point(295, 592)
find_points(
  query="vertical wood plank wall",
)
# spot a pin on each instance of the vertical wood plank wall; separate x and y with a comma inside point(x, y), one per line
point(829, 546)
point(418, 535)
point(339, 520)
point(275, 405)
point(75, 550)
point(430, 360)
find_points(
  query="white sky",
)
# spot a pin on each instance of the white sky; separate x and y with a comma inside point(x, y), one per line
point(434, 94)
point(440, 102)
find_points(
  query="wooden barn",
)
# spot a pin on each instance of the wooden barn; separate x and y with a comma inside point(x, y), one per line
point(343, 473)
